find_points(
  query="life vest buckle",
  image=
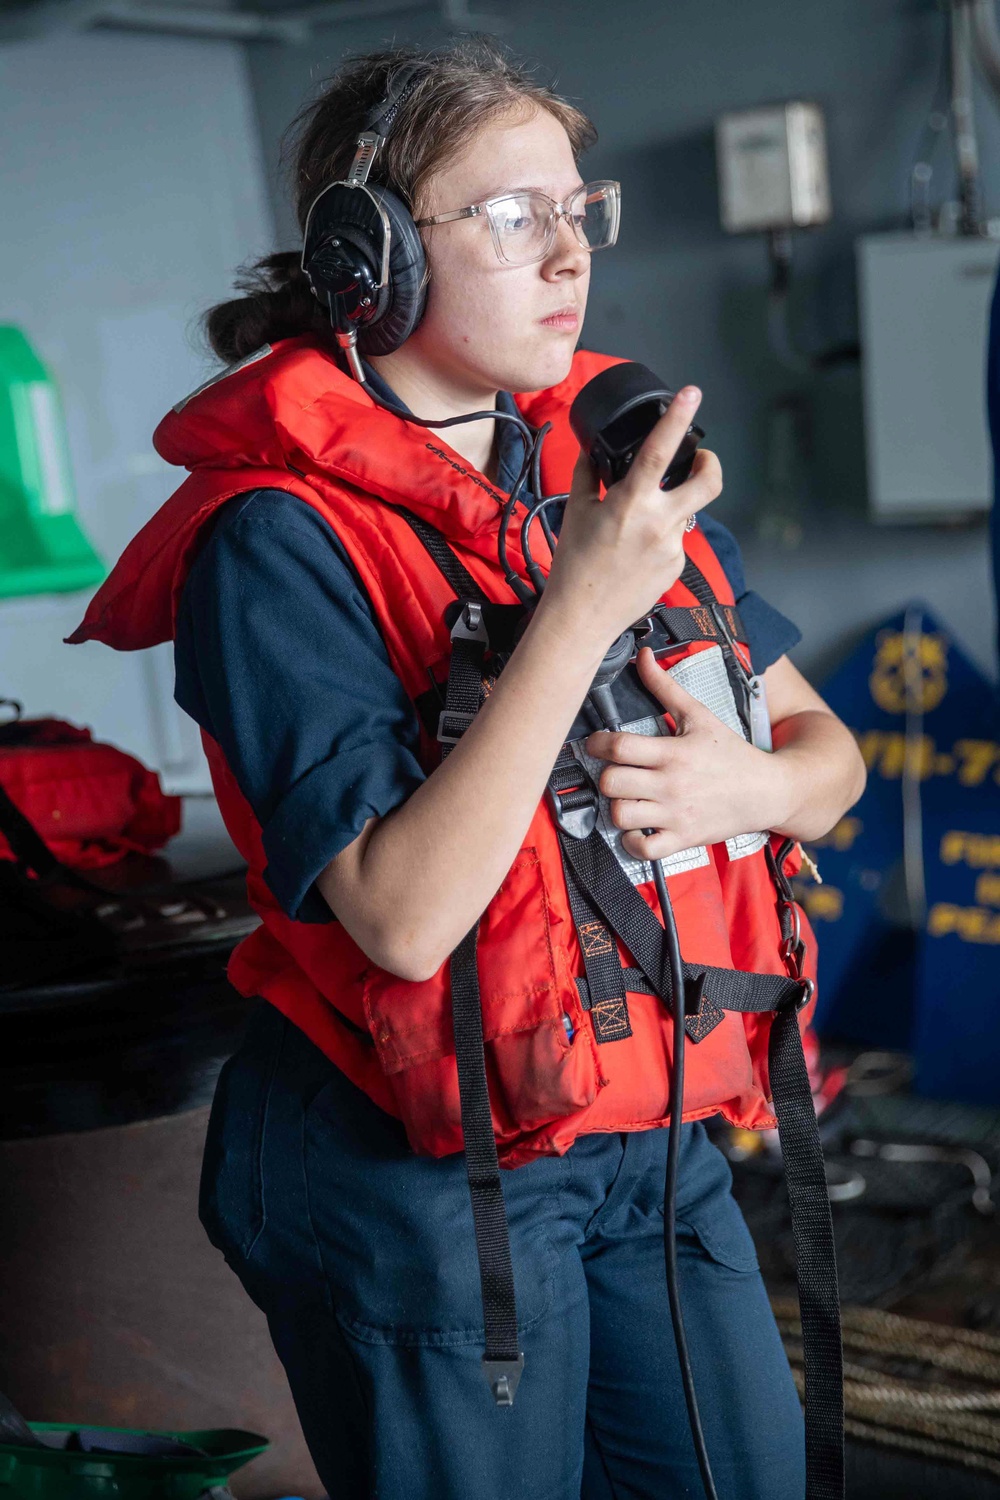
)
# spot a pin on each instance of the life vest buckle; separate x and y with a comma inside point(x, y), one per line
point(502, 1377)
point(452, 725)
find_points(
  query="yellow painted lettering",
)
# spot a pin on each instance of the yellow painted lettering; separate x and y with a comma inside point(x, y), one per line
point(988, 888)
point(952, 847)
point(972, 924)
point(975, 759)
point(942, 919)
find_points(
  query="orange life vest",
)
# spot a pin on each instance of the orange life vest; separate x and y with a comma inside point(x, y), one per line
point(289, 419)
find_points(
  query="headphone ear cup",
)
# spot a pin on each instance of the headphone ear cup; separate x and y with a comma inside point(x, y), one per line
point(401, 310)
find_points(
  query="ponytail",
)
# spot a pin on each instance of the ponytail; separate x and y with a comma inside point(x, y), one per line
point(278, 305)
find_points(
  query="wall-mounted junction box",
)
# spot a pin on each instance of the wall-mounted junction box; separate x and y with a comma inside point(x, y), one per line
point(925, 305)
point(772, 168)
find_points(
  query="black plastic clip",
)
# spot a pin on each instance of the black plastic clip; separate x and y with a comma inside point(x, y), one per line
point(502, 1377)
point(574, 801)
point(470, 624)
point(701, 1014)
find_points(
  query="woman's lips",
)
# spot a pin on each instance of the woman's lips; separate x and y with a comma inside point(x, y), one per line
point(564, 320)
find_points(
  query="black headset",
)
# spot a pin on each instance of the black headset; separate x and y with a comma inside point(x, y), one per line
point(362, 252)
point(364, 259)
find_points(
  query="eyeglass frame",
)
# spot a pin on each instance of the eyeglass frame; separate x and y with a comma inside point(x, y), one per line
point(557, 211)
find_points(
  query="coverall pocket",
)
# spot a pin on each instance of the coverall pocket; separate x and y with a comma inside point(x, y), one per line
point(231, 1197)
point(708, 1216)
point(724, 1237)
point(394, 1231)
point(536, 1073)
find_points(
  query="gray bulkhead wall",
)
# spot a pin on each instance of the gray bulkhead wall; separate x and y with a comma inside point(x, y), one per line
point(689, 300)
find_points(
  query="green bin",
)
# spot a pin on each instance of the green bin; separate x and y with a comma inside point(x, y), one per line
point(42, 548)
point(54, 1473)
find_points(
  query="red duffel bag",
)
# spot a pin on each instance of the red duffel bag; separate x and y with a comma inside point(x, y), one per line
point(91, 803)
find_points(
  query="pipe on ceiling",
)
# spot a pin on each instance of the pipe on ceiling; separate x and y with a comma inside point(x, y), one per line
point(52, 17)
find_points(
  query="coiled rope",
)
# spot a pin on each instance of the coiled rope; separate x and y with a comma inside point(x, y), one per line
point(921, 1387)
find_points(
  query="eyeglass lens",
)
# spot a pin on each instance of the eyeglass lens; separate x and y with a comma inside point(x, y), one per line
point(524, 223)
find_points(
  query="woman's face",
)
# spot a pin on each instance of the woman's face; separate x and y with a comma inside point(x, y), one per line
point(484, 326)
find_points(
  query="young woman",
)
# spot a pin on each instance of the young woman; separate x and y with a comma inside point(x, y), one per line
point(312, 642)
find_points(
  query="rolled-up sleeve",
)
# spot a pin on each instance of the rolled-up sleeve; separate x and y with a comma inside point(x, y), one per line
point(279, 658)
point(769, 633)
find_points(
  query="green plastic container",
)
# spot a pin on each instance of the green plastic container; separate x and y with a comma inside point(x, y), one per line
point(42, 549)
point(28, 1473)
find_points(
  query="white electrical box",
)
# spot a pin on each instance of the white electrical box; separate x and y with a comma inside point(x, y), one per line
point(924, 305)
point(772, 168)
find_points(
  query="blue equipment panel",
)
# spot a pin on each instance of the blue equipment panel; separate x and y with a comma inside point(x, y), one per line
point(908, 915)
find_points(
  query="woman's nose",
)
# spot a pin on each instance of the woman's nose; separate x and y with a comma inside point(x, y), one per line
point(566, 249)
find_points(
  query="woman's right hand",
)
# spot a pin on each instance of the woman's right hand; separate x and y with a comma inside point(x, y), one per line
point(617, 556)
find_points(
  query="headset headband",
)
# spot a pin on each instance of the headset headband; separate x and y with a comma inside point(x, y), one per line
point(361, 250)
point(381, 120)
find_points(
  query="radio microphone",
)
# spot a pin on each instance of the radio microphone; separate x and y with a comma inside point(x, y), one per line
point(616, 411)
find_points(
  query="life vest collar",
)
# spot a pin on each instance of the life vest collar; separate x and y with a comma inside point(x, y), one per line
point(291, 419)
point(296, 409)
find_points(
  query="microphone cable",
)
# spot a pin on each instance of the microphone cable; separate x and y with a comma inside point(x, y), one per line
point(676, 966)
point(531, 465)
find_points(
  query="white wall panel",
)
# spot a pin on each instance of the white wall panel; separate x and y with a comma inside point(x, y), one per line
point(132, 186)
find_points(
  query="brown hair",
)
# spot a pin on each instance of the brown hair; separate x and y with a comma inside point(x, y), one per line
point(472, 81)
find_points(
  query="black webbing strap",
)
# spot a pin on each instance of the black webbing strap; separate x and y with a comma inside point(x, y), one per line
point(627, 914)
point(575, 804)
point(32, 853)
point(465, 673)
point(815, 1259)
point(699, 623)
point(604, 991)
point(635, 981)
point(695, 581)
point(697, 584)
point(812, 1225)
point(29, 848)
point(461, 580)
point(812, 1219)
point(502, 1361)
point(464, 692)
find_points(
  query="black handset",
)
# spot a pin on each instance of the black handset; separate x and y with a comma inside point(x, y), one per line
point(613, 415)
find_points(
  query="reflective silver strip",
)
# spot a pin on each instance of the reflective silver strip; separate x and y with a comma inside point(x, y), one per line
point(223, 374)
point(639, 871)
point(702, 674)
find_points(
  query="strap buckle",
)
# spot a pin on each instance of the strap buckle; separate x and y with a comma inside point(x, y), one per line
point(805, 990)
point(470, 625)
point(452, 725)
point(502, 1376)
point(574, 801)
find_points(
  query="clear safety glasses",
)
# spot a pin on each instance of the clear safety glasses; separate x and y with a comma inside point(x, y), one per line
point(523, 224)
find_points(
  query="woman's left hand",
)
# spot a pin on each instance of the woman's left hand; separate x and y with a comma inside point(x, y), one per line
point(701, 785)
